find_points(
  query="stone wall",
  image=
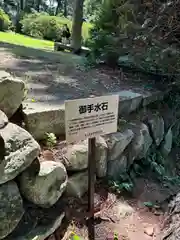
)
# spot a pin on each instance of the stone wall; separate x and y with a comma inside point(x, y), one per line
point(32, 187)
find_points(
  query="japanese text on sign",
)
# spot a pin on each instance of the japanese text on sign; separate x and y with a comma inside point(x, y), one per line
point(90, 117)
point(93, 107)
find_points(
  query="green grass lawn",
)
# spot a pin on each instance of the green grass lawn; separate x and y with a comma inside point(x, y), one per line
point(18, 39)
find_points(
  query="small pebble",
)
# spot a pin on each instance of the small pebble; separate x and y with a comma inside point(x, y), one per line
point(149, 231)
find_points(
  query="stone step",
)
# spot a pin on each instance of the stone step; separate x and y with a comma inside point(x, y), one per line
point(45, 117)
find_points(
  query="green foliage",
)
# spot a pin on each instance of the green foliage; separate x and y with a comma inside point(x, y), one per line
point(5, 22)
point(124, 29)
point(123, 183)
point(75, 237)
point(50, 140)
point(41, 25)
point(44, 26)
point(112, 32)
point(91, 8)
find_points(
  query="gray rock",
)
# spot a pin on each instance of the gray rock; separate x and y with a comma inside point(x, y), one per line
point(77, 185)
point(11, 208)
point(152, 96)
point(145, 141)
point(101, 157)
point(3, 119)
point(41, 119)
point(11, 93)
point(166, 145)
point(45, 188)
point(129, 101)
point(76, 156)
point(140, 143)
point(157, 126)
point(117, 167)
point(42, 232)
point(117, 142)
point(20, 151)
point(38, 223)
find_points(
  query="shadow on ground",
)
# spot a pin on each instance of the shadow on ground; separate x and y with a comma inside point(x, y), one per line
point(55, 76)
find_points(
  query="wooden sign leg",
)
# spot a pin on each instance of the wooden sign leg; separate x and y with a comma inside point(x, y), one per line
point(91, 184)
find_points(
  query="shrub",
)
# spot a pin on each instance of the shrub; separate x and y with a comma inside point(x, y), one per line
point(5, 21)
point(112, 25)
point(41, 25)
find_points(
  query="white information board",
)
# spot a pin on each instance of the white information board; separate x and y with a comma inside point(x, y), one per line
point(90, 117)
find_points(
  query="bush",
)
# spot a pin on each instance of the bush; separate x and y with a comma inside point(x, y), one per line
point(112, 26)
point(41, 25)
point(133, 35)
point(5, 22)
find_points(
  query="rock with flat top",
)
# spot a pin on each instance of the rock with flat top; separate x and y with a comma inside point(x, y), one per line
point(40, 119)
point(129, 101)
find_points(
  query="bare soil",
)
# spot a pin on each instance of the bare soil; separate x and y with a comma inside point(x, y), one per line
point(53, 77)
point(127, 217)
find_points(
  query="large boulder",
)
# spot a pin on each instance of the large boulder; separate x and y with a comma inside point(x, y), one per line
point(166, 145)
point(39, 223)
point(77, 185)
point(117, 142)
point(129, 101)
point(46, 187)
point(76, 156)
point(11, 208)
point(156, 124)
point(141, 142)
point(42, 118)
point(117, 167)
point(11, 93)
point(20, 151)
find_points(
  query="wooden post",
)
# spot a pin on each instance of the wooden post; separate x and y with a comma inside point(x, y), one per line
point(91, 183)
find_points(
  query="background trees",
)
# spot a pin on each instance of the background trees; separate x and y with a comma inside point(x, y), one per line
point(143, 34)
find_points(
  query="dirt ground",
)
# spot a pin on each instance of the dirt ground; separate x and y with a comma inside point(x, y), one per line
point(128, 217)
point(53, 77)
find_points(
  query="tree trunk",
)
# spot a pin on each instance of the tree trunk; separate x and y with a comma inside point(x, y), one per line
point(65, 8)
point(59, 6)
point(77, 25)
point(38, 5)
point(21, 5)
